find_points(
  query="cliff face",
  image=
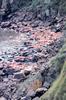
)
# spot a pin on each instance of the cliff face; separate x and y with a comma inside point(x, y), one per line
point(9, 6)
point(15, 4)
point(54, 6)
point(5, 3)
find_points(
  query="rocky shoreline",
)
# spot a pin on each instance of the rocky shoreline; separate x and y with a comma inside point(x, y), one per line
point(33, 80)
point(24, 69)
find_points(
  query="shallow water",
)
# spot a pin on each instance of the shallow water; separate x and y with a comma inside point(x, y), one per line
point(10, 40)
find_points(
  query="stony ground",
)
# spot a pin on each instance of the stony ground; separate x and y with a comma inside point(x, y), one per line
point(25, 50)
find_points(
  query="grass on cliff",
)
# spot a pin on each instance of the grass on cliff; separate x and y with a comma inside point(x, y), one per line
point(58, 89)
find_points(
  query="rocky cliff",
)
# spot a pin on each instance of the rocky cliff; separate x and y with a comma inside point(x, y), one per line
point(30, 36)
point(49, 7)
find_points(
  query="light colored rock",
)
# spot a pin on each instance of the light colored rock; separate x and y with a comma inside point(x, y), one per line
point(41, 90)
point(31, 93)
point(37, 98)
point(5, 24)
point(5, 79)
point(26, 98)
point(2, 98)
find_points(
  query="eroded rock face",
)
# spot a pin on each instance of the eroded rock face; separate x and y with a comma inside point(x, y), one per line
point(14, 4)
point(9, 6)
point(6, 7)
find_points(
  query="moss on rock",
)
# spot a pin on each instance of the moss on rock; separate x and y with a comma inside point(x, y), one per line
point(58, 88)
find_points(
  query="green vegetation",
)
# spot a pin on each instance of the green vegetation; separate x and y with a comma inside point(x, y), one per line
point(58, 89)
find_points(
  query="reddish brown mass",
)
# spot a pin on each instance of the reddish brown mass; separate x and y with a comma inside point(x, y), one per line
point(38, 38)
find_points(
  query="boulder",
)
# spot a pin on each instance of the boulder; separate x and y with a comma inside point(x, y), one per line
point(5, 24)
point(40, 91)
point(2, 98)
point(27, 72)
point(19, 76)
point(35, 58)
point(58, 27)
point(8, 71)
point(31, 93)
point(26, 98)
point(32, 83)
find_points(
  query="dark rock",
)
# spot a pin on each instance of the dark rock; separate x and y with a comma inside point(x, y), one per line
point(56, 50)
point(39, 16)
point(5, 24)
point(24, 23)
point(19, 76)
point(13, 26)
point(49, 50)
point(54, 21)
point(28, 17)
point(46, 85)
point(0, 59)
point(25, 54)
point(39, 50)
point(26, 60)
point(40, 91)
point(1, 67)
point(1, 93)
point(64, 52)
point(23, 60)
point(27, 43)
point(27, 72)
point(19, 60)
point(35, 59)
point(8, 71)
point(44, 72)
